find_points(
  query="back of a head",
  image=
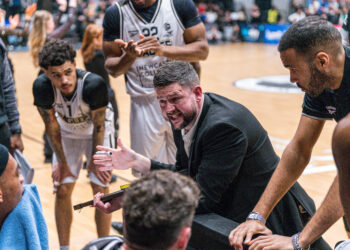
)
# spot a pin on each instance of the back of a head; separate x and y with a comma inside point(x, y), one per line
point(156, 208)
point(56, 53)
point(38, 34)
point(40, 19)
point(311, 35)
point(92, 31)
point(176, 71)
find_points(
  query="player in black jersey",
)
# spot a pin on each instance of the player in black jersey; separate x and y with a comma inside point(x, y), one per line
point(73, 105)
point(312, 50)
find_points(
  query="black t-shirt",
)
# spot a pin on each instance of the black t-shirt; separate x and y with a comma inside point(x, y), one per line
point(94, 91)
point(331, 104)
point(185, 9)
point(97, 66)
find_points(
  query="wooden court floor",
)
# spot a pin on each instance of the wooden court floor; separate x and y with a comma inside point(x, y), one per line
point(278, 113)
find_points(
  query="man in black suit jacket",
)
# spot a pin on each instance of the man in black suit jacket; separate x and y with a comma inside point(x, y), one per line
point(222, 146)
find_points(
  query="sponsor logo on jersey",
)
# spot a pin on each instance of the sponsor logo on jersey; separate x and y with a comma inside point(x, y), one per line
point(133, 33)
point(331, 109)
point(167, 28)
point(74, 120)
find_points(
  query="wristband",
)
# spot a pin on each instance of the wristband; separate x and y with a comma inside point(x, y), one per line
point(256, 216)
point(295, 242)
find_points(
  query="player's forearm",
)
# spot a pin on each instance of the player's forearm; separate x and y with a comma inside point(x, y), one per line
point(117, 66)
point(191, 52)
point(55, 141)
point(291, 166)
point(97, 137)
point(53, 133)
point(98, 117)
point(329, 212)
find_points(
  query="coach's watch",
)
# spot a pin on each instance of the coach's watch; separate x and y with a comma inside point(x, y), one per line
point(295, 243)
point(256, 216)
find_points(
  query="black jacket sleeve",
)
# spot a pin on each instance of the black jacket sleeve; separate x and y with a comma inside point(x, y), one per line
point(155, 165)
point(224, 148)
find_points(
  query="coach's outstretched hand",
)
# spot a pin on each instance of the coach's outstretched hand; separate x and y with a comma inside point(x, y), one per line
point(121, 159)
point(246, 231)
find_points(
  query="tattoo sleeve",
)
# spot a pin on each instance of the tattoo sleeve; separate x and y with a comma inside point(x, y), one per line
point(98, 117)
point(53, 132)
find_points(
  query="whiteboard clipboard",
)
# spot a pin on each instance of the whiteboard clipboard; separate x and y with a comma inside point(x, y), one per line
point(26, 169)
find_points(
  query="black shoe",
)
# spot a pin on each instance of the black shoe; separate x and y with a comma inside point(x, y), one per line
point(118, 226)
point(113, 179)
point(48, 159)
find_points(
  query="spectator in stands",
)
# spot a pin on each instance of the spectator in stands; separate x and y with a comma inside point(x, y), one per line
point(214, 36)
point(324, 6)
point(313, 7)
point(240, 16)
point(273, 15)
point(344, 3)
point(22, 224)
point(44, 28)
point(45, 5)
point(202, 10)
point(160, 219)
point(295, 4)
point(13, 29)
point(230, 27)
point(255, 15)
point(296, 16)
point(342, 15)
point(333, 4)
point(212, 14)
point(264, 6)
point(333, 13)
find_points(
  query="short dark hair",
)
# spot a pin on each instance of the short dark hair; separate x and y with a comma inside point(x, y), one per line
point(156, 208)
point(56, 53)
point(310, 35)
point(175, 71)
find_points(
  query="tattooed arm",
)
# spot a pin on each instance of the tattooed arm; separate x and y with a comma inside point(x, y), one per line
point(98, 117)
point(52, 128)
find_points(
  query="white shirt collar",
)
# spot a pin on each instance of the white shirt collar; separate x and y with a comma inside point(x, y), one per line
point(187, 137)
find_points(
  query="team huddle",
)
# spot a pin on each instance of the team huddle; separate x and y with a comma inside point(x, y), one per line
point(195, 152)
